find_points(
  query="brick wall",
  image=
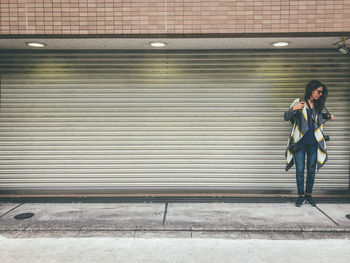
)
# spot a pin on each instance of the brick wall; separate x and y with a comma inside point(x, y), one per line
point(172, 16)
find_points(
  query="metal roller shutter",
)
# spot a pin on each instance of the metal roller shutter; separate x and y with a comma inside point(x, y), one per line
point(181, 120)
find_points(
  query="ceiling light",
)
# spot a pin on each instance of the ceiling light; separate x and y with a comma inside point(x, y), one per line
point(343, 50)
point(280, 44)
point(35, 44)
point(158, 44)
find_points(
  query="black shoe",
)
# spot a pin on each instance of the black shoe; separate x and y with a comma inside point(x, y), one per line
point(309, 200)
point(300, 201)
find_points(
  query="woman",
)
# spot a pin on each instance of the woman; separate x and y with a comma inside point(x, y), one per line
point(307, 137)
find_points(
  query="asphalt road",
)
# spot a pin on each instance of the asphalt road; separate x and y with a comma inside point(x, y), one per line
point(172, 250)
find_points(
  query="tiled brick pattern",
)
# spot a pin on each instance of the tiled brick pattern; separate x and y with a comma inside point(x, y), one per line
point(172, 16)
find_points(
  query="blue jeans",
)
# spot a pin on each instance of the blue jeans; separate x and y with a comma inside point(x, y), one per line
point(299, 157)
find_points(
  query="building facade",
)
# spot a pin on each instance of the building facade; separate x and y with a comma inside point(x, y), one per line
point(97, 110)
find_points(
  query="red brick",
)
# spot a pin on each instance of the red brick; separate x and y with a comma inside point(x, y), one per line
point(181, 16)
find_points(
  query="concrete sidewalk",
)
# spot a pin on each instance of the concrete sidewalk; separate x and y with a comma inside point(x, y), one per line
point(176, 220)
point(174, 232)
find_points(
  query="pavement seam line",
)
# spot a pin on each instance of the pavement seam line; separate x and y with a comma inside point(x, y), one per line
point(165, 213)
point(11, 210)
point(79, 231)
point(319, 209)
point(135, 230)
point(23, 230)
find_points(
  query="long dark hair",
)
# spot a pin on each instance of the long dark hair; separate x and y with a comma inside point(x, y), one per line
point(310, 87)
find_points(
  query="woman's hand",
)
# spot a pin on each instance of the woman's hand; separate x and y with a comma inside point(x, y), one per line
point(299, 106)
point(332, 117)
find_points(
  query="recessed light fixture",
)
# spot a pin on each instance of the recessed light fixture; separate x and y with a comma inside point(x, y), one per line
point(35, 44)
point(158, 44)
point(280, 44)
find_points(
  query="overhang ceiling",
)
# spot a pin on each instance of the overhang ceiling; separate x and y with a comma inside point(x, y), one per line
point(173, 43)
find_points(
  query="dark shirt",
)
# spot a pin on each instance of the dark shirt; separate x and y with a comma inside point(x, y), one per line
point(309, 136)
